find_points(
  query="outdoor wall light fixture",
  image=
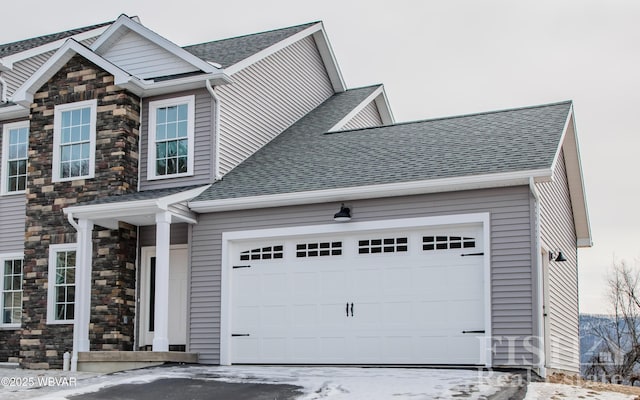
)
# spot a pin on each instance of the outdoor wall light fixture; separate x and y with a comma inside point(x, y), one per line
point(343, 215)
point(557, 256)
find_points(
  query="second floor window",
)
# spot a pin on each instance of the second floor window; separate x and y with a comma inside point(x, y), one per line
point(74, 141)
point(171, 131)
point(15, 147)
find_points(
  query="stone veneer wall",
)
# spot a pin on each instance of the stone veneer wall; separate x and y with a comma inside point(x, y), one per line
point(114, 251)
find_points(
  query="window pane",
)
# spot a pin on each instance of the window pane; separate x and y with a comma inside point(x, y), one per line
point(75, 134)
point(172, 114)
point(85, 132)
point(66, 153)
point(183, 147)
point(22, 167)
point(60, 294)
point(66, 118)
point(75, 151)
point(84, 168)
point(171, 166)
point(13, 168)
point(86, 115)
point(71, 293)
point(71, 276)
point(85, 151)
point(182, 129)
point(182, 165)
point(182, 112)
point(161, 115)
point(171, 130)
point(161, 132)
point(161, 167)
point(8, 267)
point(161, 150)
point(75, 117)
point(172, 148)
point(60, 312)
point(70, 311)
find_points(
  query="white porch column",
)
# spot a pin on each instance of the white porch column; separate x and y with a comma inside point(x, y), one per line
point(82, 313)
point(161, 318)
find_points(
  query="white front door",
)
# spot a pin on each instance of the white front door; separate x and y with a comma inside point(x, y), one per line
point(178, 270)
point(375, 297)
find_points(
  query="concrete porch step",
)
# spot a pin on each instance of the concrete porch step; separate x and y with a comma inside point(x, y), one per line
point(112, 361)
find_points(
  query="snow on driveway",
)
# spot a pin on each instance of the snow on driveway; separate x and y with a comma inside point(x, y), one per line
point(555, 391)
point(317, 382)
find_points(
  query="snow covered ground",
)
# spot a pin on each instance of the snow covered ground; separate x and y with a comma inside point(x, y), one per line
point(555, 391)
point(317, 382)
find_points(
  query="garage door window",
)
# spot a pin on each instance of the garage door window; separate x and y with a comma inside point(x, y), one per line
point(320, 249)
point(386, 245)
point(263, 253)
point(447, 242)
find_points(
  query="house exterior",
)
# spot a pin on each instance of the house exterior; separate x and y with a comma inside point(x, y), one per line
point(165, 198)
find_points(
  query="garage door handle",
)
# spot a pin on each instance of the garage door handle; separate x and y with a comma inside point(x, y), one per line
point(348, 309)
point(472, 254)
point(473, 331)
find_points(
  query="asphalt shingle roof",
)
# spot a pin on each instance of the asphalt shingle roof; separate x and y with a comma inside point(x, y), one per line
point(27, 44)
point(305, 157)
point(227, 52)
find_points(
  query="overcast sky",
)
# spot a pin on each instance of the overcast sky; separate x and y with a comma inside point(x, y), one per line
point(441, 58)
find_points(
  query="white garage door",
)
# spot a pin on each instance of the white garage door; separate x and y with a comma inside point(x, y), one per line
point(383, 297)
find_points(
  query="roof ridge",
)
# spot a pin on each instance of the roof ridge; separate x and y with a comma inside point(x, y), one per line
point(456, 116)
point(252, 34)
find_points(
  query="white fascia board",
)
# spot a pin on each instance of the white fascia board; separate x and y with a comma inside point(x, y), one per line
point(384, 108)
point(124, 22)
point(330, 62)
point(148, 88)
point(14, 111)
point(132, 208)
point(338, 126)
point(373, 191)
point(7, 62)
point(24, 95)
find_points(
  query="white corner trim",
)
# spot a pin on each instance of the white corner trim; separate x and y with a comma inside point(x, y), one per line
point(124, 22)
point(340, 124)
point(372, 191)
point(8, 61)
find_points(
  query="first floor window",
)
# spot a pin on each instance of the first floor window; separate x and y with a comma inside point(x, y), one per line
point(62, 283)
point(74, 139)
point(11, 286)
point(171, 136)
point(15, 145)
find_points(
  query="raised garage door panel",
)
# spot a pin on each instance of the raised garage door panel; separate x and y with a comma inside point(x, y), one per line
point(413, 295)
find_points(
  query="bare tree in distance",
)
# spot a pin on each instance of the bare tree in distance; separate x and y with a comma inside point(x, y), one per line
point(618, 357)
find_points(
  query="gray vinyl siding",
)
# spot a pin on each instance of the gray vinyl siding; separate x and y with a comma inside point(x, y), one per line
point(367, 117)
point(558, 233)
point(22, 70)
point(13, 210)
point(12, 220)
point(511, 286)
point(203, 145)
point(267, 97)
point(145, 59)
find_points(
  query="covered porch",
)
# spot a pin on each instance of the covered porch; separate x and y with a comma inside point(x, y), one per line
point(157, 210)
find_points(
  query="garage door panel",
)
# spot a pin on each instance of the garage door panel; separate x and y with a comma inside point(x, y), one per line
point(410, 305)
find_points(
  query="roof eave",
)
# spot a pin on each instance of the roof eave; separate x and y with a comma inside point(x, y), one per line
point(14, 111)
point(374, 191)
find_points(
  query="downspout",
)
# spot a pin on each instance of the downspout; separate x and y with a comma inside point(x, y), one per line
point(76, 337)
point(540, 284)
point(216, 131)
point(140, 161)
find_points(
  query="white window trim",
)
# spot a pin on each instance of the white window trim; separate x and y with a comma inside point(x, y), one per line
point(5, 257)
point(151, 148)
point(54, 249)
point(4, 178)
point(57, 126)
